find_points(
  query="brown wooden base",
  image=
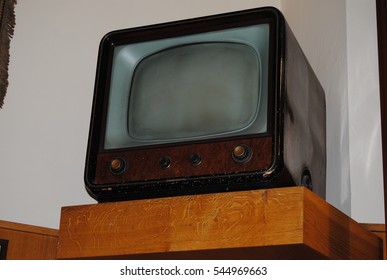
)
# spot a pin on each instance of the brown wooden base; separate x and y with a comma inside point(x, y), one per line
point(283, 223)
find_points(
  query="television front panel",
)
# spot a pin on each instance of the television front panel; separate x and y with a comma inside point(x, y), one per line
point(197, 106)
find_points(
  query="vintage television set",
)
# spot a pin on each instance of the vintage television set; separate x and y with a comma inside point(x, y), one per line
point(218, 103)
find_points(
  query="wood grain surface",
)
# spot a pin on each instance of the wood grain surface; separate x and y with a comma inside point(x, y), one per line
point(283, 223)
point(27, 242)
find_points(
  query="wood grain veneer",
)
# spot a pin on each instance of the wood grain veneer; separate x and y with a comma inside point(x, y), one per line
point(283, 223)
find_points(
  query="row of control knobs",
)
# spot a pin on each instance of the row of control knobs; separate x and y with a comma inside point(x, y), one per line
point(240, 154)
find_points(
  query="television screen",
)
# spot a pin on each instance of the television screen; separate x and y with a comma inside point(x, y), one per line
point(189, 87)
point(218, 103)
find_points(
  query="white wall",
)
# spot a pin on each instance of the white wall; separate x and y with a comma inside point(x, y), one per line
point(45, 120)
point(339, 38)
point(364, 112)
point(320, 28)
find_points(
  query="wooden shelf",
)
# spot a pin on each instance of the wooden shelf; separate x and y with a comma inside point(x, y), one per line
point(283, 223)
point(379, 230)
point(26, 242)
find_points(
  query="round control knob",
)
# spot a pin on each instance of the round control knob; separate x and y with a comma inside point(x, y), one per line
point(195, 159)
point(164, 162)
point(306, 179)
point(241, 153)
point(117, 166)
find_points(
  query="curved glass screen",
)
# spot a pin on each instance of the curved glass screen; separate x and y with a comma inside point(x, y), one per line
point(194, 87)
point(191, 91)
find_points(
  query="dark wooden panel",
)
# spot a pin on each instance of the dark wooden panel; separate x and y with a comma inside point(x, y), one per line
point(381, 11)
point(216, 159)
